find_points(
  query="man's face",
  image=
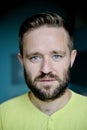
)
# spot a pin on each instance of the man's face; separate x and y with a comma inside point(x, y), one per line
point(47, 62)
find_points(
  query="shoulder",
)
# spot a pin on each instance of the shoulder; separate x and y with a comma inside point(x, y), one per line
point(78, 95)
point(79, 99)
point(13, 102)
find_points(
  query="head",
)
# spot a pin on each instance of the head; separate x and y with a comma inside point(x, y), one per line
point(44, 19)
point(47, 54)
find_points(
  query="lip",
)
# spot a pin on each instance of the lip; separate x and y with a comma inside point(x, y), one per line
point(46, 80)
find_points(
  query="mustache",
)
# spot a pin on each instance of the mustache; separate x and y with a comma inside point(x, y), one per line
point(48, 75)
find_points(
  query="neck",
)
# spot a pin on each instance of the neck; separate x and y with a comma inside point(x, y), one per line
point(51, 106)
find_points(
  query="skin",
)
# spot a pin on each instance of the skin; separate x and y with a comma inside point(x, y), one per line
point(45, 50)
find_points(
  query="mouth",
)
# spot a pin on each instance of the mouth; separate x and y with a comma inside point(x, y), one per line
point(46, 81)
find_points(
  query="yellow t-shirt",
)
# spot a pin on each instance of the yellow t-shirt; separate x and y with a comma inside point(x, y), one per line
point(20, 114)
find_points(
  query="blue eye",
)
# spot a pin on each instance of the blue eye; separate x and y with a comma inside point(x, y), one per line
point(35, 59)
point(56, 57)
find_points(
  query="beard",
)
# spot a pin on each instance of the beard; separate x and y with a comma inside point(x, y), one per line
point(46, 95)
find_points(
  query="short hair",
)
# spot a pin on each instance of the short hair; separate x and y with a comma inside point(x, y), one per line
point(49, 19)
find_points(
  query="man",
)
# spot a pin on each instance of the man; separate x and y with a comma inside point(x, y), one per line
point(47, 56)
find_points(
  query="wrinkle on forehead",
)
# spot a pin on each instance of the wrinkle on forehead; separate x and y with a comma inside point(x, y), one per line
point(46, 37)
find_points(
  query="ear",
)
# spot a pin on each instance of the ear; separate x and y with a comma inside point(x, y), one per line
point(20, 58)
point(73, 56)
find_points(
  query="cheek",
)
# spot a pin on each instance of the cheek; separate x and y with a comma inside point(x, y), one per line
point(32, 70)
point(62, 68)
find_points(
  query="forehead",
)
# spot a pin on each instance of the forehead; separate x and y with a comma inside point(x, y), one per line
point(46, 37)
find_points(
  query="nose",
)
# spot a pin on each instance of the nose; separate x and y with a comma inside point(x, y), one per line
point(46, 66)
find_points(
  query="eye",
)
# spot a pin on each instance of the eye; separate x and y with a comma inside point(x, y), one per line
point(56, 57)
point(35, 59)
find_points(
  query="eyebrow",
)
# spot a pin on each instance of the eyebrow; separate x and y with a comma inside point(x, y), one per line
point(59, 52)
point(53, 52)
point(32, 54)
